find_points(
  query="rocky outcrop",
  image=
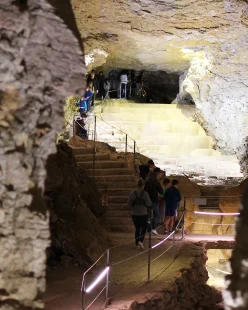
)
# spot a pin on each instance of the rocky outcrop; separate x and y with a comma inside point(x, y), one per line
point(41, 64)
point(235, 294)
point(74, 204)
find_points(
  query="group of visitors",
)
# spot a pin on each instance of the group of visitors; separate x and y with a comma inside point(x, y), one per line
point(152, 204)
point(96, 85)
point(122, 85)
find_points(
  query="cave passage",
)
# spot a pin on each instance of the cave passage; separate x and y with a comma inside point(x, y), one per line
point(140, 86)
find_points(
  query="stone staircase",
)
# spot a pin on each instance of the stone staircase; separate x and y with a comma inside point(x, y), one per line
point(181, 144)
point(120, 182)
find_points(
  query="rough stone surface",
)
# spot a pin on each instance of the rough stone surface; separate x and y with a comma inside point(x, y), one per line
point(40, 64)
point(204, 41)
point(74, 204)
point(235, 294)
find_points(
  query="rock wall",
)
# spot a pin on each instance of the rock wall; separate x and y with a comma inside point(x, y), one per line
point(235, 293)
point(218, 81)
point(75, 206)
point(41, 64)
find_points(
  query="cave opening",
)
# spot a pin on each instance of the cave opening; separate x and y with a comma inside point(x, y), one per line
point(145, 86)
point(34, 63)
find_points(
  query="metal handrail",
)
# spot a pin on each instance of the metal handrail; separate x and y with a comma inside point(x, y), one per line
point(134, 142)
point(212, 197)
point(83, 291)
point(115, 127)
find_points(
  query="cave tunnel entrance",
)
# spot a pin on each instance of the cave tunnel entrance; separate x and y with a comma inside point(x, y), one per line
point(142, 86)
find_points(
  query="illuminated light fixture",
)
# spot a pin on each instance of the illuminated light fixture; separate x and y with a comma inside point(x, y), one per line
point(215, 213)
point(212, 224)
point(225, 272)
point(163, 240)
point(98, 279)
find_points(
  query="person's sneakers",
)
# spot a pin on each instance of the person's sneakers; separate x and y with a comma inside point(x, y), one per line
point(166, 231)
point(141, 245)
point(154, 232)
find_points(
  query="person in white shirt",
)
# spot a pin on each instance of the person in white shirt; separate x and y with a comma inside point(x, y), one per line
point(123, 86)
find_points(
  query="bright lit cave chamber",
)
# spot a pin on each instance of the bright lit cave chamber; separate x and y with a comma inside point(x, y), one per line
point(193, 123)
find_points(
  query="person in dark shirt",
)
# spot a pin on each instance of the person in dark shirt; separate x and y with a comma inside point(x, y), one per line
point(154, 188)
point(92, 81)
point(101, 80)
point(172, 198)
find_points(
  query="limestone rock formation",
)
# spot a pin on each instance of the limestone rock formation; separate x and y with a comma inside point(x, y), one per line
point(235, 294)
point(203, 41)
point(41, 64)
point(74, 202)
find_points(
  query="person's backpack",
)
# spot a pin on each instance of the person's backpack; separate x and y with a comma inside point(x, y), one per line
point(138, 201)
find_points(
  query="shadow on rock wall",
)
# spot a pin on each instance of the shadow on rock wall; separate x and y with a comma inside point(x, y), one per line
point(75, 209)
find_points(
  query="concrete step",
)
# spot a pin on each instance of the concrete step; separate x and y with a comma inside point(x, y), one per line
point(113, 184)
point(110, 172)
point(82, 150)
point(121, 228)
point(89, 157)
point(103, 164)
point(121, 221)
point(117, 191)
point(118, 179)
point(118, 199)
point(118, 206)
point(118, 213)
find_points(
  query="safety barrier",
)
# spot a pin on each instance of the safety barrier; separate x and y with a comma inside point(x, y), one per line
point(105, 272)
point(213, 220)
point(132, 148)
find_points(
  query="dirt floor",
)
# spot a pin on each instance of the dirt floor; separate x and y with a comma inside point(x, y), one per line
point(126, 279)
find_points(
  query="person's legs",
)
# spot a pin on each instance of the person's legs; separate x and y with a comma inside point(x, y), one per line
point(155, 215)
point(143, 225)
point(93, 99)
point(88, 105)
point(166, 223)
point(122, 90)
point(137, 228)
point(161, 210)
point(172, 219)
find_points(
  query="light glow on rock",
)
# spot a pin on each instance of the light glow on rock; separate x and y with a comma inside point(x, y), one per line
point(199, 67)
point(96, 53)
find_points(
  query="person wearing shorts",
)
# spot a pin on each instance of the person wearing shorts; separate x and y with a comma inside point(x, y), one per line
point(172, 197)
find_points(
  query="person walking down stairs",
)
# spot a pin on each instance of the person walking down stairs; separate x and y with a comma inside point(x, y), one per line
point(139, 202)
point(154, 188)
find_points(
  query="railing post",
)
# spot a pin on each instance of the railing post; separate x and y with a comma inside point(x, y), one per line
point(126, 148)
point(174, 242)
point(184, 210)
point(107, 279)
point(149, 245)
point(94, 148)
point(134, 151)
point(83, 293)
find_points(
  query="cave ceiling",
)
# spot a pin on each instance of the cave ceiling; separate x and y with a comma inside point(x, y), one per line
point(156, 34)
